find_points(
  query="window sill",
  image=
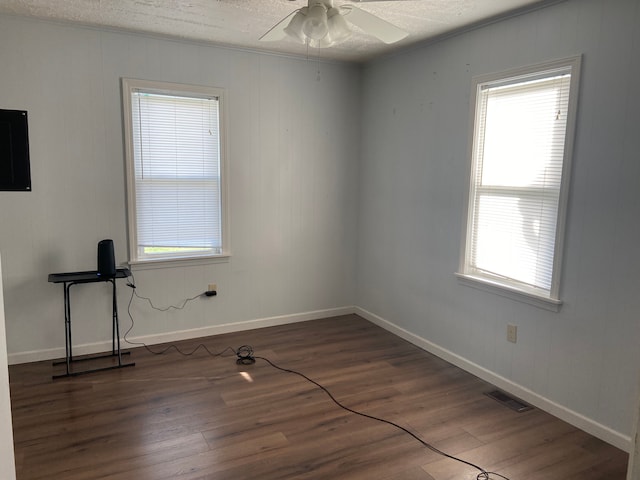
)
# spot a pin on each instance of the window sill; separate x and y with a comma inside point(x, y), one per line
point(539, 301)
point(177, 262)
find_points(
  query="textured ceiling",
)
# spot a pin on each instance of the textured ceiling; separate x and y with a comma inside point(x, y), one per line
point(240, 23)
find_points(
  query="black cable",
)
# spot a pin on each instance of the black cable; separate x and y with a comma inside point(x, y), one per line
point(173, 345)
point(245, 355)
point(170, 307)
point(483, 475)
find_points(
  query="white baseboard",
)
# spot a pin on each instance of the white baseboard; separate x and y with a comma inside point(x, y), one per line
point(99, 347)
point(592, 427)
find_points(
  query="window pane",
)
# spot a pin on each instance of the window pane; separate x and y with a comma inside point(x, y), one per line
point(524, 135)
point(515, 238)
point(175, 136)
point(178, 214)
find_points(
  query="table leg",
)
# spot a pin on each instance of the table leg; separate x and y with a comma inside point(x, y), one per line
point(114, 316)
point(67, 326)
point(116, 323)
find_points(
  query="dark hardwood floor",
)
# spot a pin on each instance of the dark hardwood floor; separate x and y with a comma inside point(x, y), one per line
point(203, 417)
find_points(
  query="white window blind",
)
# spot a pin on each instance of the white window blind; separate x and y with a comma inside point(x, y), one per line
point(176, 170)
point(518, 163)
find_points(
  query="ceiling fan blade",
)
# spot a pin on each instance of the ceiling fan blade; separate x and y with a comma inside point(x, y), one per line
point(277, 32)
point(373, 25)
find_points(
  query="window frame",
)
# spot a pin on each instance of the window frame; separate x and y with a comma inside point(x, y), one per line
point(129, 86)
point(492, 283)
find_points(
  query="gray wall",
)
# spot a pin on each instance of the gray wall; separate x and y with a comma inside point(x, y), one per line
point(582, 361)
point(293, 167)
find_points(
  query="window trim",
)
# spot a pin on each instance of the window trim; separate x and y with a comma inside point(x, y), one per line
point(552, 301)
point(128, 86)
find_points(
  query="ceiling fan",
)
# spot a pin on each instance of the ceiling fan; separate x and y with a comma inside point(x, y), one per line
point(321, 25)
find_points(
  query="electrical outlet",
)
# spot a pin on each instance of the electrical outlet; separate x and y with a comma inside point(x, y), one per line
point(512, 333)
point(212, 290)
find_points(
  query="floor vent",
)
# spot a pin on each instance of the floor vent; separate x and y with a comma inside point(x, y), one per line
point(511, 402)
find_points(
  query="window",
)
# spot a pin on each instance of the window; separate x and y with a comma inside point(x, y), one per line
point(175, 168)
point(521, 152)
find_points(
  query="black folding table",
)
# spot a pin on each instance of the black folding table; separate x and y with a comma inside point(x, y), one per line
point(74, 278)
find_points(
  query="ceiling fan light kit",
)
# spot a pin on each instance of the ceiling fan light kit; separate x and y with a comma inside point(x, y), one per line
point(338, 28)
point(322, 25)
point(315, 26)
point(295, 27)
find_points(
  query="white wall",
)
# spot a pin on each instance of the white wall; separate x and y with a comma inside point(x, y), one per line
point(6, 430)
point(414, 174)
point(292, 124)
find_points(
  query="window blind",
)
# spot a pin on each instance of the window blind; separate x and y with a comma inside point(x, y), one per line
point(176, 149)
point(517, 172)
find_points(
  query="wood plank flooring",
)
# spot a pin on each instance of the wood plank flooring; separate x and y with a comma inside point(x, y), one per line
point(203, 417)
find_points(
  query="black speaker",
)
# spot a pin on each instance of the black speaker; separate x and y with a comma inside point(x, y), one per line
point(106, 259)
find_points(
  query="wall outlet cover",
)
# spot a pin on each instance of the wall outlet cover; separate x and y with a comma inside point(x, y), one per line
point(512, 333)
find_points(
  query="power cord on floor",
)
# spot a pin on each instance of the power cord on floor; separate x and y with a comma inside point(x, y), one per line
point(245, 356)
point(483, 475)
